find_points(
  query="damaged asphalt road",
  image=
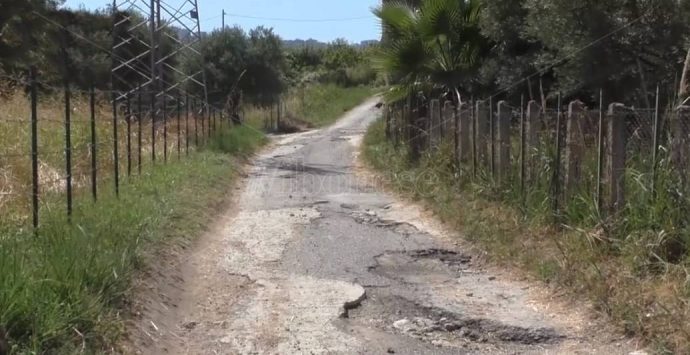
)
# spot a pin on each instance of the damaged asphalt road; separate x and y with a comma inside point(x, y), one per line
point(318, 260)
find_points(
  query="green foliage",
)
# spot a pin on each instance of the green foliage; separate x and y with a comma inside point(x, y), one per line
point(338, 62)
point(535, 47)
point(230, 52)
point(435, 46)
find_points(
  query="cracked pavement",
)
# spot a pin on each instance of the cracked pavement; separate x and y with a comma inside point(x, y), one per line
point(316, 258)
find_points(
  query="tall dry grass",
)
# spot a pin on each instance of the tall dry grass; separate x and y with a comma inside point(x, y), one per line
point(15, 146)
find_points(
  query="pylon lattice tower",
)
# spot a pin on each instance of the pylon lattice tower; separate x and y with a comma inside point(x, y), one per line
point(152, 40)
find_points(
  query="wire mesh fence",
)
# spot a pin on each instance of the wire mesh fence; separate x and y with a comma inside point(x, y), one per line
point(59, 142)
point(568, 161)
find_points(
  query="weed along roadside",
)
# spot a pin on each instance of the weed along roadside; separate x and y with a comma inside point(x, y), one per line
point(64, 288)
point(616, 264)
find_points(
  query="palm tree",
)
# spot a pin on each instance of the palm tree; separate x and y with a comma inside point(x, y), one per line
point(428, 47)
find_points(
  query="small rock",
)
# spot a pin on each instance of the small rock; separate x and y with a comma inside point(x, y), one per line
point(292, 214)
point(390, 351)
point(401, 324)
point(491, 278)
point(470, 294)
point(190, 325)
point(348, 206)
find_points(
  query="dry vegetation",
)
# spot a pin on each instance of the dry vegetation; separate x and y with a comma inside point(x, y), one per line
point(625, 276)
point(15, 146)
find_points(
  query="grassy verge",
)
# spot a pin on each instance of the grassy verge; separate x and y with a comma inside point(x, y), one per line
point(316, 105)
point(623, 277)
point(60, 290)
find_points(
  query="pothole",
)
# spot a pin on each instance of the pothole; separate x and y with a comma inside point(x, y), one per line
point(395, 259)
point(371, 218)
point(395, 314)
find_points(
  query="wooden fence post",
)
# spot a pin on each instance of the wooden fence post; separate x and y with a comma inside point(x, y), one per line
point(532, 127)
point(574, 146)
point(482, 134)
point(680, 128)
point(464, 122)
point(434, 133)
point(616, 156)
point(503, 140)
point(448, 115)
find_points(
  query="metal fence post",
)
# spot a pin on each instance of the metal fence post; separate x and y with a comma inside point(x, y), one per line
point(153, 127)
point(179, 128)
point(196, 125)
point(203, 127)
point(600, 157)
point(34, 147)
point(140, 118)
point(128, 121)
point(655, 143)
point(68, 148)
point(475, 134)
point(94, 167)
point(186, 124)
point(522, 145)
point(556, 179)
point(492, 138)
point(116, 157)
point(165, 127)
point(209, 118)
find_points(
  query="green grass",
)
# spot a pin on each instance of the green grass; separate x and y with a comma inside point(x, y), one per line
point(633, 269)
point(316, 105)
point(321, 105)
point(64, 287)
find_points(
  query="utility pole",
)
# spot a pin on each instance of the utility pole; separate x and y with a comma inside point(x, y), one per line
point(132, 49)
point(223, 20)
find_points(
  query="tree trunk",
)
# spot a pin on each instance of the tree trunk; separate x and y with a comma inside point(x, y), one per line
point(684, 90)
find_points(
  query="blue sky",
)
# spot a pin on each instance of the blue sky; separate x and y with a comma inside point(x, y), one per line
point(360, 24)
